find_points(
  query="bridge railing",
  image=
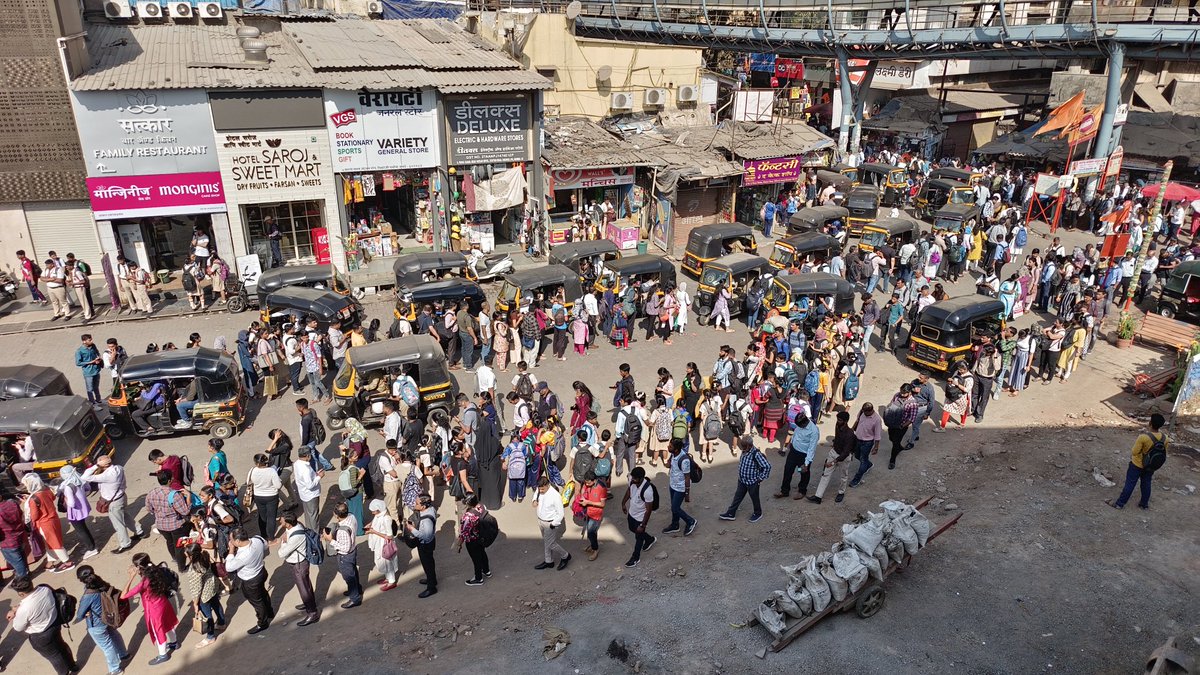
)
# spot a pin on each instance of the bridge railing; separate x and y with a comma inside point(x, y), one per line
point(890, 15)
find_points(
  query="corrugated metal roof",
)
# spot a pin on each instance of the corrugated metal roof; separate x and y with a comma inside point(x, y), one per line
point(579, 143)
point(688, 151)
point(328, 54)
point(748, 140)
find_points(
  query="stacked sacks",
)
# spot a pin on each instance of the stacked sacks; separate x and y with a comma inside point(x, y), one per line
point(866, 550)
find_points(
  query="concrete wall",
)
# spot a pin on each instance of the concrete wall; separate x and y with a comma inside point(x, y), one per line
point(546, 40)
point(14, 236)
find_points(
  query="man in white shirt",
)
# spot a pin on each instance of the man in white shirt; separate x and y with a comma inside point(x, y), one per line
point(339, 342)
point(393, 424)
point(246, 559)
point(35, 616)
point(389, 466)
point(293, 551)
point(521, 410)
point(550, 518)
point(635, 504)
point(308, 486)
point(110, 478)
point(341, 535)
point(55, 277)
point(293, 356)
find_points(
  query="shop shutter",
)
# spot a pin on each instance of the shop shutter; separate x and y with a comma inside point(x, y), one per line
point(63, 227)
point(693, 208)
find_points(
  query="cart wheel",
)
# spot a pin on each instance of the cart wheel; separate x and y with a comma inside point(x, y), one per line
point(870, 602)
point(221, 430)
point(115, 431)
point(236, 304)
point(336, 422)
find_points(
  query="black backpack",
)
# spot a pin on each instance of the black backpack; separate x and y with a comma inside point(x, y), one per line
point(695, 473)
point(524, 386)
point(489, 530)
point(584, 462)
point(1156, 456)
point(185, 466)
point(65, 604)
point(651, 503)
point(633, 428)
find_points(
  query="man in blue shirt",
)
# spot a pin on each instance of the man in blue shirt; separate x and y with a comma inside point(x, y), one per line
point(87, 357)
point(803, 447)
point(149, 402)
point(768, 217)
point(680, 479)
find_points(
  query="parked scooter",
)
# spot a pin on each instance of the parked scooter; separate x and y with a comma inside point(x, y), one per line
point(8, 287)
point(488, 267)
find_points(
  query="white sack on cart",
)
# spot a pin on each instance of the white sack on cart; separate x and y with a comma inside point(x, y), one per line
point(817, 587)
point(771, 618)
point(837, 585)
point(920, 525)
point(800, 595)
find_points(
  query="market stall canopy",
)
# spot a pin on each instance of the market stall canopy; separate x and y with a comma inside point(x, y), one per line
point(907, 115)
point(687, 151)
point(1175, 192)
point(747, 140)
point(347, 54)
point(579, 143)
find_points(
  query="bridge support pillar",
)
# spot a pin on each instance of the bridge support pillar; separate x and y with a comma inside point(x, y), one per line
point(847, 111)
point(1112, 98)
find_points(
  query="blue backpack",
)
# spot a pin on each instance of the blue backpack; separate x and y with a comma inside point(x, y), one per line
point(314, 552)
point(1022, 237)
point(850, 387)
point(812, 382)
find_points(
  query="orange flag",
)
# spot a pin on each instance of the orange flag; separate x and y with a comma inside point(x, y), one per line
point(1086, 128)
point(1120, 215)
point(1064, 116)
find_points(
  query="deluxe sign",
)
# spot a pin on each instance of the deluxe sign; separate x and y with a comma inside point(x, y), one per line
point(381, 131)
point(144, 133)
point(494, 130)
point(575, 179)
point(163, 195)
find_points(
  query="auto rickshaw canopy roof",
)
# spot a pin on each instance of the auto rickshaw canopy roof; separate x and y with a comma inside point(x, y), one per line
point(816, 216)
point(292, 275)
point(396, 351)
point(840, 181)
point(62, 426)
point(953, 173)
point(894, 226)
point(816, 283)
point(958, 313)
point(540, 277)
point(27, 381)
point(428, 260)
point(453, 288)
point(737, 263)
point(701, 239)
point(946, 184)
point(645, 263)
point(570, 253)
point(863, 195)
point(197, 362)
point(1177, 280)
point(324, 303)
point(806, 242)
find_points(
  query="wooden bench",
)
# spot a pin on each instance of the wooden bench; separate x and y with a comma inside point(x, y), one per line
point(1154, 385)
point(1159, 330)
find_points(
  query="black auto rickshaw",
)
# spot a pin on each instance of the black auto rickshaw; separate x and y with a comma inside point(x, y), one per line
point(954, 217)
point(818, 219)
point(738, 272)
point(1180, 296)
point(283, 305)
point(29, 380)
point(409, 300)
point(544, 281)
point(709, 242)
point(209, 378)
point(947, 330)
point(863, 204)
point(792, 250)
point(415, 268)
point(365, 380)
point(883, 230)
point(253, 294)
point(585, 257)
point(848, 171)
point(797, 295)
point(965, 176)
point(938, 192)
point(63, 429)
point(637, 270)
point(891, 182)
point(840, 182)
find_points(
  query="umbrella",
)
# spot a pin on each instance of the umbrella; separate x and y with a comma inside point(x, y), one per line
point(1175, 192)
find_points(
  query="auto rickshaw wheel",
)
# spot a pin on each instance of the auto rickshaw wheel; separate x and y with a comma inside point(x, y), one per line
point(222, 430)
point(114, 430)
point(703, 317)
point(1166, 310)
point(335, 422)
point(237, 304)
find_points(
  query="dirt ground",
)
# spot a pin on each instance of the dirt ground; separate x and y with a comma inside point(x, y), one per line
point(1038, 576)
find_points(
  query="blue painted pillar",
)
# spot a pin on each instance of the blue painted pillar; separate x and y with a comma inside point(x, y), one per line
point(1112, 99)
point(847, 111)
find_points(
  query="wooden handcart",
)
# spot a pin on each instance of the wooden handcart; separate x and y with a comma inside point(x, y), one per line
point(866, 602)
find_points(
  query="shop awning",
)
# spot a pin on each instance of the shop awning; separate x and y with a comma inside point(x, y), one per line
point(579, 143)
point(907, 116)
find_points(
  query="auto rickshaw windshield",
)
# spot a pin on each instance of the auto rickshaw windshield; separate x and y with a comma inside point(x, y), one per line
point(508, 292)
point(947, 224)
point(783, 256)
point(874, 238)
point(714, 276)
point(962, 197)
point(344, 376)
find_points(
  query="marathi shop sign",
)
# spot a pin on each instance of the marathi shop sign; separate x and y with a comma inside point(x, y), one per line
point(493, 130)
point(145, 133)
point(161, 195)
point(276, 160)
point(575, 179)
point(770, 171)
point(382, 130)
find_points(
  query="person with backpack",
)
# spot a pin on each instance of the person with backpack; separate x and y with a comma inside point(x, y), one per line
point(205, 590)
point(172, 464)
point(662, 424)
point(477, 529)
point(37, 615)
point(630, 429)
point(248, 562)
point(679, 478)
point(589, 505)
point(423, 537)
point(1148, 456)
point(308, 486)
point(710, 423)
point(753, 470)
point(155, 584)
point(101, 607)
point(638, 504)
point(301, 548)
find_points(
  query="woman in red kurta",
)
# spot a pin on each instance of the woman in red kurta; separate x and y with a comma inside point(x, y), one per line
point(43, 517)
point(153, 587)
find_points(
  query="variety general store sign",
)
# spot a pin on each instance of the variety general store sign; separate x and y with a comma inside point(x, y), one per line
point(382, 130)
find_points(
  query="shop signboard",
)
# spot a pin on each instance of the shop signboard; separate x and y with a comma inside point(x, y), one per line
point(116, 197)
point(145, 133)
point(489, 130)
point(576, 179)
point(771, 171)
point(273, 161)
point(1087, 167)
point(381, 130)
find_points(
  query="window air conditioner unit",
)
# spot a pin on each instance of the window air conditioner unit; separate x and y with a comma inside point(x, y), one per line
point(375, 8)
point(209, 10)
point(621, 100)
point(180, 10)
point(688, 92)
point(118, 9)
point(150, 10)
point(655, 97)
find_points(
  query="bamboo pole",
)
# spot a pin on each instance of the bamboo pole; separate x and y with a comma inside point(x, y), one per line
point(1146, 240)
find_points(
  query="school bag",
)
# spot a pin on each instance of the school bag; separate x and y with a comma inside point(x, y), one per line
point(489, 529)
point(812, 382)
point(680, 426)
point(314, 551)
point(185, 465)
point(736, 420)
point(893, 415)
point(517, 463)
point(410, 491)
point(584, 462)
point(318, 431)
point(1156, 456)
point(633, 428)
point(737, 376)
point(663, 426)
point(65, 605)
point(524, 386)
point(346, 483)
point(850, 386)
point(374, 469)
point(695, 473)
point(652, 503)
point(113, 610)
point(712, 427)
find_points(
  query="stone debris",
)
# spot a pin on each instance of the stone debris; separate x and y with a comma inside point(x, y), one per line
point(1101, 478)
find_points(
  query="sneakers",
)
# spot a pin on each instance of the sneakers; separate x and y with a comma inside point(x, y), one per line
point(756, 517)
point(727, 516)
point(474, 582)
point(91, 554)
point(891, 465)
point(653, 541)
point(671, 530)
point(632, 562)
point(856, 482)
point(183, 424)
point(691, 528)
point(840, 497)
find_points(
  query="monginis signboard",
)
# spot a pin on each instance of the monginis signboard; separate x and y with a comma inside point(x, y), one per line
point(157, 195)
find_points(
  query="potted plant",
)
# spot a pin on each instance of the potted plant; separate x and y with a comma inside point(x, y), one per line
point(1126, 329)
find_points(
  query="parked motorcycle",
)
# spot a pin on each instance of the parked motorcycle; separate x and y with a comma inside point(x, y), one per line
point(489, 267)
point(8, 287)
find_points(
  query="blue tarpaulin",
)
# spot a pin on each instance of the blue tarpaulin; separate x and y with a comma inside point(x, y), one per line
point(421, 9)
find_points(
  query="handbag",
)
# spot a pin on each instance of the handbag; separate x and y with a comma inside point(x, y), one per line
point(102, 505)
point(271, 385)
point(198, 624)
point(390, 550)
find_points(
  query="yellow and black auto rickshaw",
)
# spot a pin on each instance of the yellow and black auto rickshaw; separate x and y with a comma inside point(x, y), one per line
point(840, 181)
point(539, 281)
point(63, 430)
point(792, 250)
point(947, 330)
point(414, 268)
point(890, 181)
point(903, 230)
point(289, 302)
point(634, 271)
point(27, 381)
point(709, 242)
point(955, 217)
point(585, 257)
point(366, 378)
point(863, 204)
point(796, 295)
point(738, 272)
point(818, 219)
point(409, 300)
point(207, 378)
point(966, 176)
point(938, 192)
point(254, 293)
